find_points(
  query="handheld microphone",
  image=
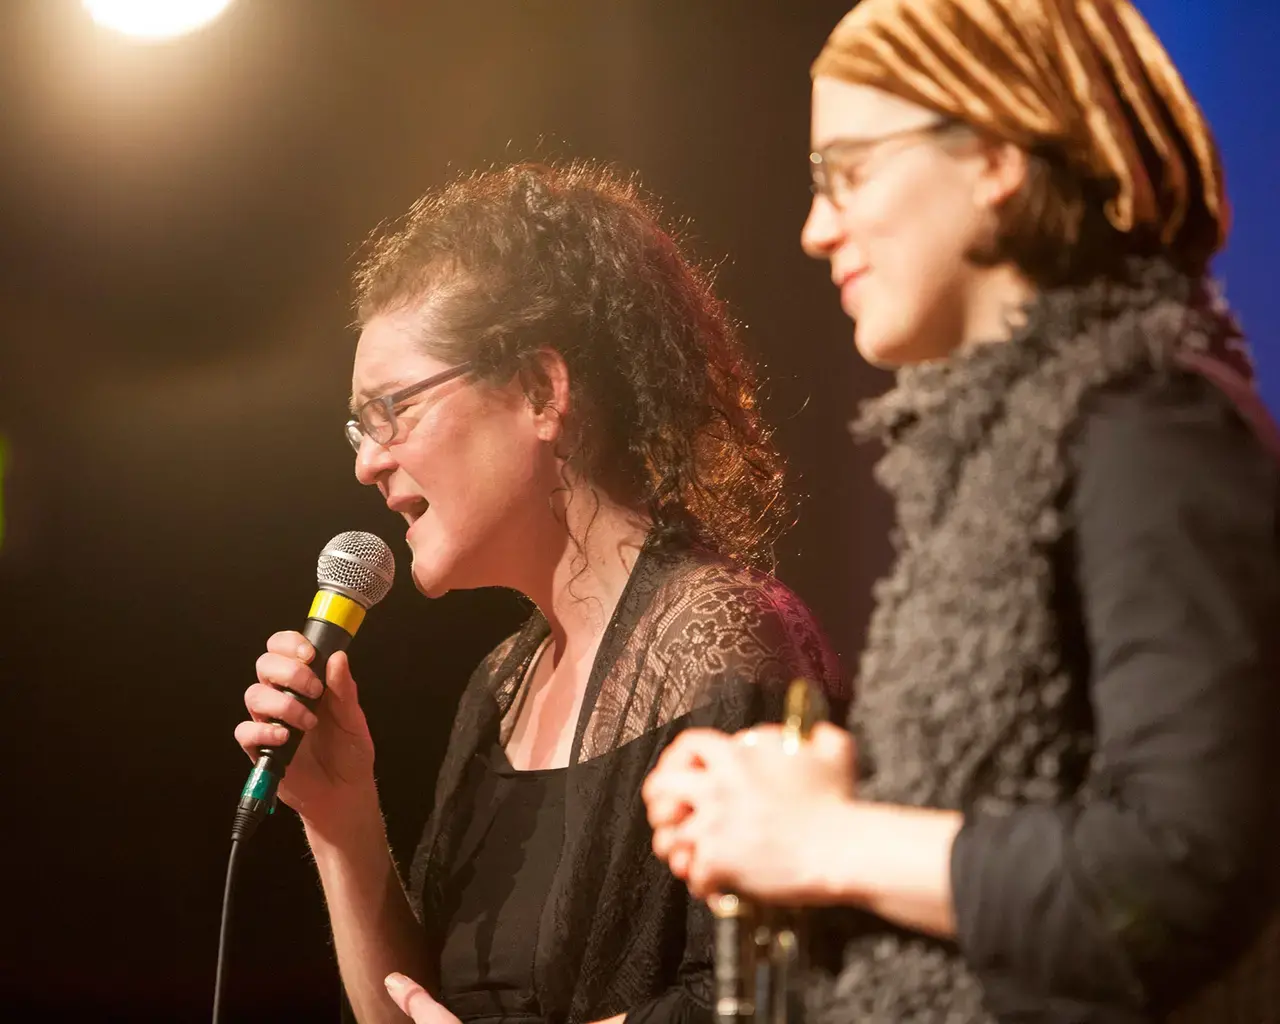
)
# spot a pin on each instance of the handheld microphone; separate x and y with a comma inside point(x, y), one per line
point(355, 572)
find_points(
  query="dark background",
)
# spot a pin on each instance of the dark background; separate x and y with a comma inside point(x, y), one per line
point(177, 225)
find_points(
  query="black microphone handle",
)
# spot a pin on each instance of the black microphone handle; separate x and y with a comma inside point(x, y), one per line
point(328, 639)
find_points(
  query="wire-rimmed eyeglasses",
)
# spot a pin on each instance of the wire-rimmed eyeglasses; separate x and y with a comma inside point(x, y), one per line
point(836, 169)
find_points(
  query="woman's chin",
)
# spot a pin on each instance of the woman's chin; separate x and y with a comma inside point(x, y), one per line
point(877, 350)
point(432, 588)
point(890, 349)
point(438, 571)
point(430, 575)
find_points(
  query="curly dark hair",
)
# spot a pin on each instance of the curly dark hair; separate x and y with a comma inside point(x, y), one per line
point(508, 262)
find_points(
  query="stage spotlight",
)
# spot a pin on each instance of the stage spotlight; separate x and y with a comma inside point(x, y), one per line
point(155, 20)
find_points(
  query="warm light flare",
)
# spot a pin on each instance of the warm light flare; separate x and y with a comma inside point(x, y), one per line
point(155, 20)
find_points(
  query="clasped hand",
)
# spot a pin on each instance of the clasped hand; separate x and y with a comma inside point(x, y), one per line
point(741, 813)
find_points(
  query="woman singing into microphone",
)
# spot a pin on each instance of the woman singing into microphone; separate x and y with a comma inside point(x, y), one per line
point(551, 396)
point(1057, 798)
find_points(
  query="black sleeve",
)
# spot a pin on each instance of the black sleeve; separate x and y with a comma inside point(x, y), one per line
point(1135, 893)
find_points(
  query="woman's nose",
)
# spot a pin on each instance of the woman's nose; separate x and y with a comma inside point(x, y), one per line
point(372, 460)
point(822, 229)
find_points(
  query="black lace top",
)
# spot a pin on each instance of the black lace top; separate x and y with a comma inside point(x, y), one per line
point(694, 641)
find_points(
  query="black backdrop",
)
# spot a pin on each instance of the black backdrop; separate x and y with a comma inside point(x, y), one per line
point(176, 232)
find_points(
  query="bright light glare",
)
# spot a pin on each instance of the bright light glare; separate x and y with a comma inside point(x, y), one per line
point(155, 19)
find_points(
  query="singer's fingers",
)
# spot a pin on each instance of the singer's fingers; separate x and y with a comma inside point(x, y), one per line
point(291, 644)
point(288, 673)
point(266, 703)
point(252, 735)
point(416, 1001)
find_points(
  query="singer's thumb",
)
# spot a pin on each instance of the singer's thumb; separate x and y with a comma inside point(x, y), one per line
point(342, 687)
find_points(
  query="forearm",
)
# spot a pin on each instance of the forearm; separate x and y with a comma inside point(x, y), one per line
point(374, 929)
point(893, 861)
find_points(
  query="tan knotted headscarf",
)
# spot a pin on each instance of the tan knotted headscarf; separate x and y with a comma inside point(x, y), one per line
point(1086, 77)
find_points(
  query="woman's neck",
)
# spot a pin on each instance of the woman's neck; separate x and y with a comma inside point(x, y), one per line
point(996, 305)
point(577, 590)
point(579, 583)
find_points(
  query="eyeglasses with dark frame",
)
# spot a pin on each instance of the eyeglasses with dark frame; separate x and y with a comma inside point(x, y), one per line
point(376, 418)
point(833, 168)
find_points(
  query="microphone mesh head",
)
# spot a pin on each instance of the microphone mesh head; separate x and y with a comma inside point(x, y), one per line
point(358, 565)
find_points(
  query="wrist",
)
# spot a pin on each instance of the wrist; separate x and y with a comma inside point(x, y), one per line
point(896, 862)
point(825, 875)
point(352, 816)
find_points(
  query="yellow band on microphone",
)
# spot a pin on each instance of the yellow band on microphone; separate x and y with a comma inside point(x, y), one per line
point(341, 611)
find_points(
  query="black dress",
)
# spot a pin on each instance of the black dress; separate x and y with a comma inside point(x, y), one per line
point(495, 893)
point(589, 924)
point(494, 898)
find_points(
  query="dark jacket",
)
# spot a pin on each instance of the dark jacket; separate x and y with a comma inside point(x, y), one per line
point(1078, 648)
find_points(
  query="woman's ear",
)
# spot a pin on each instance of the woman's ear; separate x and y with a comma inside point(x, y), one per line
point(1004, 172)
point(545, 379)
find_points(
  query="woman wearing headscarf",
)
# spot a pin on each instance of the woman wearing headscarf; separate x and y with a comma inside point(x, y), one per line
point(1055, 799)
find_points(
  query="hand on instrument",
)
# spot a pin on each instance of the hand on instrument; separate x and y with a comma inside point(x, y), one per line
point(334, 764)
point(742, 814)
point(417, 1002)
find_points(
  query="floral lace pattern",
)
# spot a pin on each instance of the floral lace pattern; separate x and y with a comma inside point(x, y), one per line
point(694, 641)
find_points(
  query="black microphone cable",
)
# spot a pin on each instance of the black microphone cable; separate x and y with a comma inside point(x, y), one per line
point(355, 571)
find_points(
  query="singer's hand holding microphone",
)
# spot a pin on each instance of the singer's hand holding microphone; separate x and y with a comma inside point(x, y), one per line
point(333, 771)
point(336, 761)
